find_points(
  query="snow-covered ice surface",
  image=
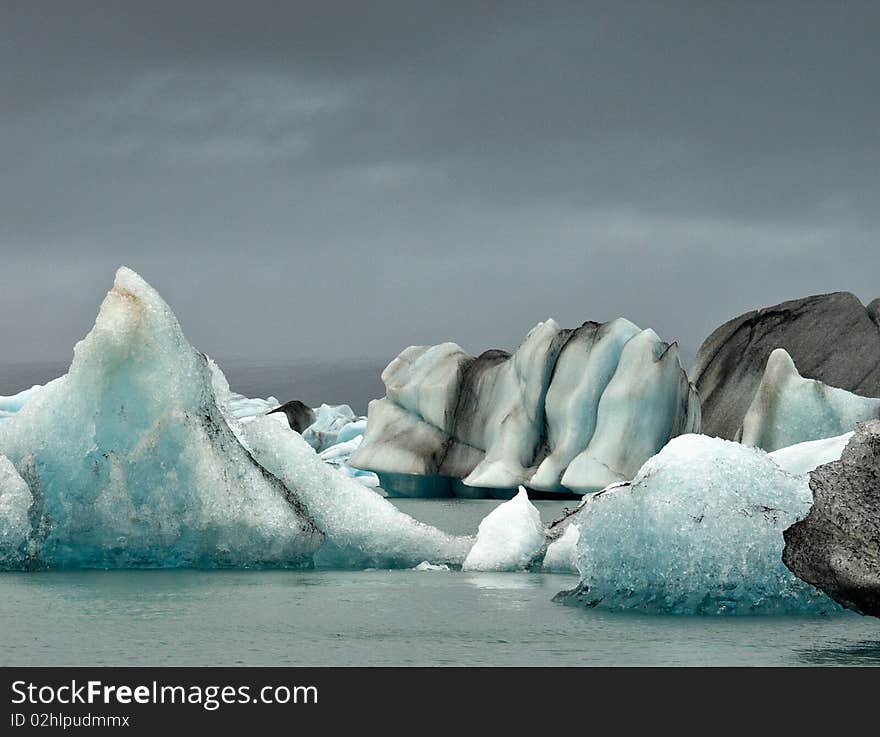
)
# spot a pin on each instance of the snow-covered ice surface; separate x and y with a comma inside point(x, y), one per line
point(362, 528)
point(698, 531)
point(510, 538)
point(788, 409)
point(569, 411)
point(131, 463)
point(561, 555)
point(15, 523)
point(336, 433)
point(807, 456)
point(10, 405)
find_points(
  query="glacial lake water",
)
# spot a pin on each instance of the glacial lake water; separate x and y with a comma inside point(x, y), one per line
point(323, 617)
point(380, 617)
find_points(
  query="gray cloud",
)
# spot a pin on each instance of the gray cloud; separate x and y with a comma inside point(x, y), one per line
point(339, 180)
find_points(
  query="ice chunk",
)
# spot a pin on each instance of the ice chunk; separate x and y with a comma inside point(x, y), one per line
point(583, 371)
point(789, 409)
point(561, 555)
point(329, 422)
point(361, 527)
point(805, 457)
point(510, 538)
point(648, 401)
point(698, 531)
point(15, 522)
point(506, 415)
point(338, 455)
point(427, 566)
point(132, 464)
point(603, 397)
point(13, 403)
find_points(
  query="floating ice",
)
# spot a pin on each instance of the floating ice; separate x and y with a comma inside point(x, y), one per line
point(329, 422)
point(427, 566)
point(805, 457)
point(15, 522)
point(338, 456)
point(132, 464)
point(570, 410)
point(510, 538)
point(698, 531)
point(10, 405)
point(648, 401)
point(789, 409)
point(561, 555)
point(362, 528)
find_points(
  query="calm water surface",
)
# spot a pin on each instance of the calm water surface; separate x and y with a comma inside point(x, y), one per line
point(372, 617)
point(380, 618)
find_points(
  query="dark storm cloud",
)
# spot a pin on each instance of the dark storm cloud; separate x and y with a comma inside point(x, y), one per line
point(339, 180)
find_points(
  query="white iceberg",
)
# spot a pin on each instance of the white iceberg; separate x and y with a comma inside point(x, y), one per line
point(15, 520)
point(561, 555)
point(569, 411)
point(698, 531)
point(131, 463)
point(788, 409)
point(428, 566)
point(510, 538)
point(362, 529)
point(808, 456)
point(12, 404)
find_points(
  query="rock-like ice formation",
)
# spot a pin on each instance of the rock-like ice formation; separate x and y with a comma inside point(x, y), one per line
point(698, 531)
point(510, 538)
point(831, 337)
point(837, 546)
point(788, 409)
point(131, 463)
point(569, 412)
point(362, 528)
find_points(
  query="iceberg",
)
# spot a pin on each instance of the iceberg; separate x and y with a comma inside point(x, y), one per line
point(16, 501)
point(788, 409)
point(362, 529)
point(131, 463)
point(567, 413)
point(510, 538)
point(804, 457)
point(12, 404)
point(561, 555)
point(240, 407)
point(699, 530)
point(830, 337)
point(329, 421)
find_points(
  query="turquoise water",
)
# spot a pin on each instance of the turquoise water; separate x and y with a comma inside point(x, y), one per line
point(327, 617)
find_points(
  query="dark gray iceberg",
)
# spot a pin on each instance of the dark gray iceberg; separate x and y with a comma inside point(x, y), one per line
point(830, 337)
point(836, 548)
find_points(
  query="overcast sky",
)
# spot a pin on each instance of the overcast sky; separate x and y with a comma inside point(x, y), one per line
point(339, 180)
